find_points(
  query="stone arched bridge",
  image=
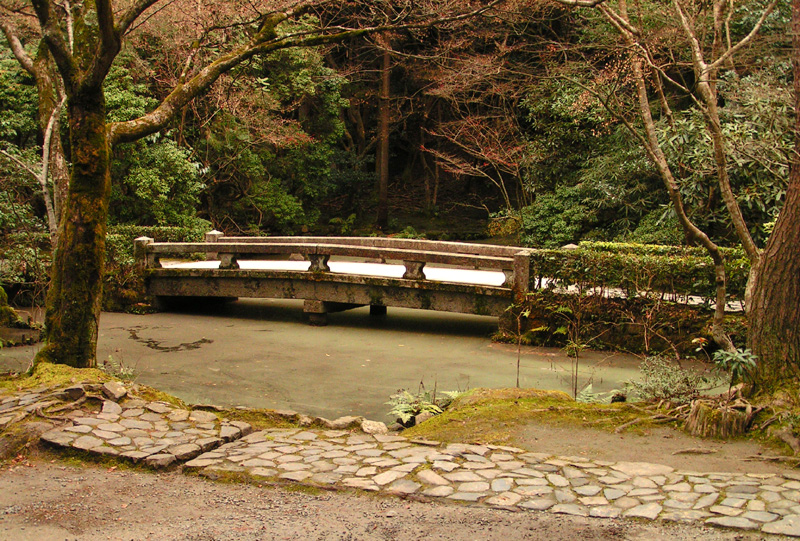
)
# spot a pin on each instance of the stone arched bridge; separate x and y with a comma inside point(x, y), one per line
point(337, 273)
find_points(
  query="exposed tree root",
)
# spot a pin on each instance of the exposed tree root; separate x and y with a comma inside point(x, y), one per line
point(695, 451)
point(786, 435)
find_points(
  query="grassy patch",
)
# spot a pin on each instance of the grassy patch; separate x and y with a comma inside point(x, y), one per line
point(494, 415)
point(52, 375)
point(154, 395)
point(259, 418)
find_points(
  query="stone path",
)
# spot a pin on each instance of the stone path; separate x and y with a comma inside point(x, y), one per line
point(160, 435)
point(510, 477)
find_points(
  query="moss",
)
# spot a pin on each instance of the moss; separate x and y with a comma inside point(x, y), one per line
point(310, 490)
point(9, 316)
point(154, 395)
point(261, 418)
point(494, 415)
point(18, 439)
point(79, 459)
point(60, 375)
point(53, 375)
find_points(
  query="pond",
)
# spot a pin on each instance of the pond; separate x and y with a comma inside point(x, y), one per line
point(261, 353)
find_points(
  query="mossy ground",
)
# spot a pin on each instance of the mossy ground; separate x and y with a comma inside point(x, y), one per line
point(52, 375)
point(493, 416)
point(259, 418)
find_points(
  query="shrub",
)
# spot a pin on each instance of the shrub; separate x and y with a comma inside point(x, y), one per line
point(663, 379)
point(121, 287)
point(406, 406)
point(671, 270)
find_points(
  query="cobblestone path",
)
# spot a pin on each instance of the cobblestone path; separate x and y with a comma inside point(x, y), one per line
point(161, 435)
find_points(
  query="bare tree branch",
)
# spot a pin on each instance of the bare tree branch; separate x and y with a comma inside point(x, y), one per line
point(747, 39)
point(264, 41)
point(62, 53)
point(17, 49)
point(132, 13)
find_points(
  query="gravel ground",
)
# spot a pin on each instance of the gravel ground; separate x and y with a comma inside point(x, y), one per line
point(45, 499)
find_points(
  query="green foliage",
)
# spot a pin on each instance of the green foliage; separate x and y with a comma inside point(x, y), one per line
point(17, 212)
point(663, 379)
point(277, 173)
point(24, 244)
point(344, 225)
point(154, 180)
point(555, 219)
point(25, 259)
point(157, 183)
point(117, 369)
point(659, 226)
point(672, 270)
point(126, 98)
point(739, 363)
point(757, 118)
point(406, 406)
point(562, 129)
point(18, 103)
point(640, 325)
point(21, 207)
point(588, 180)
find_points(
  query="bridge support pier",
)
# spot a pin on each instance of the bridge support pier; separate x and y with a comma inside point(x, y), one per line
point(377, 310)
point(317, 311)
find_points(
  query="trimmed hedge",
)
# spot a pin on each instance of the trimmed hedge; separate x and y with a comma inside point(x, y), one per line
point(670, 270)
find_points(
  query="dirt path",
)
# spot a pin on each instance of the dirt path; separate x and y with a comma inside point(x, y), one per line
point(49, 500)
point(660, 446)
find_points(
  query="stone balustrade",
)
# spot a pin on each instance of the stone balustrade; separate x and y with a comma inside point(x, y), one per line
point(325, 291)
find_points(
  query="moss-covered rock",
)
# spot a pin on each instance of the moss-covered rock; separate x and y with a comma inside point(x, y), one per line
point(8, 316)
point(13, 329)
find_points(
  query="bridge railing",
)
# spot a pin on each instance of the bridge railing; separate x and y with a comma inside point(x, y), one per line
point(514, 262)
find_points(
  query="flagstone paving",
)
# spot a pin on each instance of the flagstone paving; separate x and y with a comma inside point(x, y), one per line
point(160, 435)
point(511, 477)
point(156, 433)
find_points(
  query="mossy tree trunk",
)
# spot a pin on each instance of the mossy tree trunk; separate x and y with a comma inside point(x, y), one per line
point(74, 297)
point(774, 315)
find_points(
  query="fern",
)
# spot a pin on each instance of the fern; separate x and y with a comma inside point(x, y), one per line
point(406, 406)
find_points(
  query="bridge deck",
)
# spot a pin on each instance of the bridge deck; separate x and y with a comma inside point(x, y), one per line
point(469, 278)
point(386, 270)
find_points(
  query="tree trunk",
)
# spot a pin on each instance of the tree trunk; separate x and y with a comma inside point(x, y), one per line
point(774, 317)
point(49, 105)
point(382, 163)
point(73, 301)
point(708, 420)
point(692, 232)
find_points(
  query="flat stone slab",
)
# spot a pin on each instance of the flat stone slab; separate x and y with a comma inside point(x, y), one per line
point(641, 469)
point(788, 525)
point(154, 432)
